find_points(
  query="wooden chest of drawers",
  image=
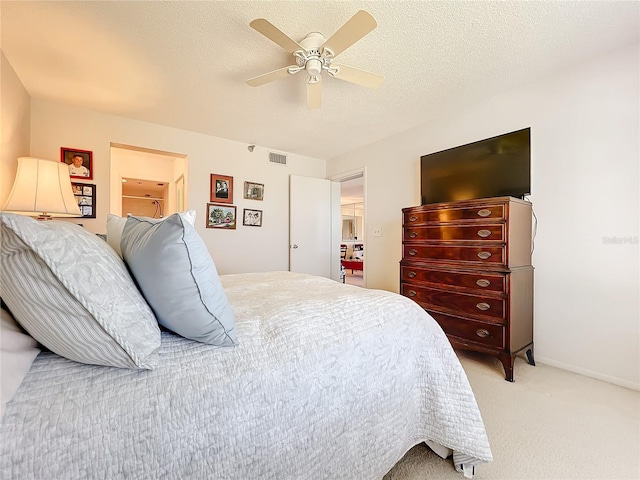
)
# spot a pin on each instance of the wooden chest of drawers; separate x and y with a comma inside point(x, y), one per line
point(468, 264)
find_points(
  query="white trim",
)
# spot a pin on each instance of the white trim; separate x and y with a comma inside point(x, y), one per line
point(589, 373)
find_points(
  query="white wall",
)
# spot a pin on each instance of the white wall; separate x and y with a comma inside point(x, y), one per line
point(245, 249)
point(14, 126)
point(585, 177)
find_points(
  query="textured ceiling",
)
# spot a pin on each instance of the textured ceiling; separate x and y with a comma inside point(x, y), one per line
point(184, 64)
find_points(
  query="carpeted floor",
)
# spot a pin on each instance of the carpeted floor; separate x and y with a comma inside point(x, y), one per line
point(549, 424)
point(354, 278)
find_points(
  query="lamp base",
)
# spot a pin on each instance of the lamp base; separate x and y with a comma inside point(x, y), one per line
point(44, 216)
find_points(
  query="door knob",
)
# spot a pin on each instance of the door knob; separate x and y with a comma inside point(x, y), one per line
point(294, 246)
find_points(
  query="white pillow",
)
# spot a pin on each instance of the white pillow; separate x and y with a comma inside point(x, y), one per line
point(177, 276)
point(74, 295)
point(17, 352)
point(115, 225)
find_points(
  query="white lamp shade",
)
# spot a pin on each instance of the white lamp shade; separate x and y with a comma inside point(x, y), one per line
point(42, 187)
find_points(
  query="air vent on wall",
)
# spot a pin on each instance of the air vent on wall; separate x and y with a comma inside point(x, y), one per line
point(278, 158)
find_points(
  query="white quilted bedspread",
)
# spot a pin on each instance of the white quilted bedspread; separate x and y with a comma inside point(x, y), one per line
point(330, 381)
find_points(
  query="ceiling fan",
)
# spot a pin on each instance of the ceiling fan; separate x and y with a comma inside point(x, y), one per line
point(314, 53)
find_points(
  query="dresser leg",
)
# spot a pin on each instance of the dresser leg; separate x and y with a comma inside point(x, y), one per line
point(507, 363)
point(530, 358)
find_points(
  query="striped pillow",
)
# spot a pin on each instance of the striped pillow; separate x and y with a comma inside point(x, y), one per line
point(74, 295)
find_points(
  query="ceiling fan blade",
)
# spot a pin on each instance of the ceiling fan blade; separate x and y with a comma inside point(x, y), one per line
point(314, 93)
point(356, 75)
point(352, 31)
point(269, 77)
point(273, 33)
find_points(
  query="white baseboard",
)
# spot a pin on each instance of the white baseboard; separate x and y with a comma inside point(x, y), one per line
point(589, 373)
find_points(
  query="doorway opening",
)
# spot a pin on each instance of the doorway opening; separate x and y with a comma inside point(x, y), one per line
point(145, 182)
point(353, 223)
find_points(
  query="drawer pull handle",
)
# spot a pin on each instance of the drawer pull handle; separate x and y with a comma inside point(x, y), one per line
point(484, 255)
point(483, 282)
point(413, 252)
point(412, 293)
point(485, 212)
point(484, 233)
point(413, 234)
point(482, 333)
point(412, 274)
point(413, 218)
point(483, 306)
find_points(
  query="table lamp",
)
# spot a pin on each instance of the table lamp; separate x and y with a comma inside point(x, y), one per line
point(42, 188)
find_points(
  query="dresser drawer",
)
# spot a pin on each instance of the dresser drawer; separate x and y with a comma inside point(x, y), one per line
point(477, 306)
point(494, 282)
point(478, 254)
point(482, 232)
point(470, 330)
point(427, 214)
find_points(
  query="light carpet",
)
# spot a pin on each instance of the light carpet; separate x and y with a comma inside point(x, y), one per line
point(550, 424)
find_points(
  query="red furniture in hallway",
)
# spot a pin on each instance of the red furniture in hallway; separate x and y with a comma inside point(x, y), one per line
point(353, 264)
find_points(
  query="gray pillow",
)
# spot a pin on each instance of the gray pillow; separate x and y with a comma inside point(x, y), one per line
point(115, 226)
point(74, 295)
point(177, 276)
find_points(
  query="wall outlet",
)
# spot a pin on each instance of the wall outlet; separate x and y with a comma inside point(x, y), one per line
point(377, 232)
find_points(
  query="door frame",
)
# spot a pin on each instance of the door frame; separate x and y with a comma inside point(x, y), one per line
point(349, 175)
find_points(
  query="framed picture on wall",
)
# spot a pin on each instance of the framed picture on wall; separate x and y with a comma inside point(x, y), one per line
point(221, 188)
point(221, 216)
point(254, 191)
point(252, 218)
point(80, 162)
point(85, 195)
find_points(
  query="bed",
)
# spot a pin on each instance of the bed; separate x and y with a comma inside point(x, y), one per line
point(326, 380)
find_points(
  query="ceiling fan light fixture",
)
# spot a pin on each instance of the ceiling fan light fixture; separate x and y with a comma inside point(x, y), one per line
point(333, 71)
point(313, 67)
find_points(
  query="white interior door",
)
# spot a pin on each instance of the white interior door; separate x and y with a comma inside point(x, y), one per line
point(314, 219)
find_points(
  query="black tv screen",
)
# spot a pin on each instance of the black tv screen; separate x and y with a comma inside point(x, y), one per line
point(495, 167)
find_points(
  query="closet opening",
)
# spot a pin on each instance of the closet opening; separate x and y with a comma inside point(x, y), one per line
point(147, 183)
point(144, 198)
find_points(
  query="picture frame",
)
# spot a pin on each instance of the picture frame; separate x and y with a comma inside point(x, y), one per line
point(252, 218)
point(78, 169)
point(85, 195)
point(221, 188)
point(221, 216)
point(254, 191)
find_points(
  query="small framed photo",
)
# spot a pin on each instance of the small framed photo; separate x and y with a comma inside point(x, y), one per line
point(221, 216)
point(85, 195)
point(254, 191)
point(252, 218)
point(80, 162)
point(221, 188)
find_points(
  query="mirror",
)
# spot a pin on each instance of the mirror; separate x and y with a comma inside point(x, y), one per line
point(352, 222)
point(348, 229)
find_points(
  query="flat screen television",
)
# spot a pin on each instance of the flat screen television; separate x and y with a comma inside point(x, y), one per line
point(495, 167)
